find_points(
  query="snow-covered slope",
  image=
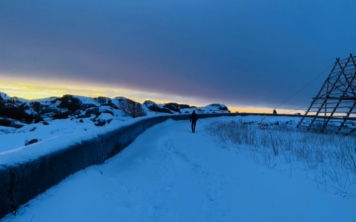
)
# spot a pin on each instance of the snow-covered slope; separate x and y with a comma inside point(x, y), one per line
point(71, 106)
point(4, 96)
point(171, 174)
point(25, 122)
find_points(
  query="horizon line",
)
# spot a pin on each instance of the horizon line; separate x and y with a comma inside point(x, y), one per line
point(31, 90)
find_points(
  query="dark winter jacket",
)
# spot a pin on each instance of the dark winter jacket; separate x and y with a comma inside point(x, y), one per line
point(193, 117)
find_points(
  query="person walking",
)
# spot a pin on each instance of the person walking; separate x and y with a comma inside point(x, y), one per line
point(193, 120)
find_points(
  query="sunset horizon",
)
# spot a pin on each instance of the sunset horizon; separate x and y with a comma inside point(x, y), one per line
point(16, 87)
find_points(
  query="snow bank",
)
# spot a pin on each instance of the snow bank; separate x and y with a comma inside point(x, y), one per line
point(28, 171)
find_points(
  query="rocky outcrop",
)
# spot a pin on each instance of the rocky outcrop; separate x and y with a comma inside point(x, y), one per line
point(153, 107)
point(100, 109)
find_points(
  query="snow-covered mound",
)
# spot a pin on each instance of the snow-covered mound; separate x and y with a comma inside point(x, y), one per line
point(78, 107)
point(24, 122)
point(184, 108)
point(4, 96)
point(214, 108)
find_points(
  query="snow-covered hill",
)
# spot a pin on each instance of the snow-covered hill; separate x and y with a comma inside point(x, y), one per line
point(24, 122)
point(16, 111)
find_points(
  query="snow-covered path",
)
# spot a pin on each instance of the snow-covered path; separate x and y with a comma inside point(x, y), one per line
point(171, 174)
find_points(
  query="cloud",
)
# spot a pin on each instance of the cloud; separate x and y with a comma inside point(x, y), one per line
point(241, 52)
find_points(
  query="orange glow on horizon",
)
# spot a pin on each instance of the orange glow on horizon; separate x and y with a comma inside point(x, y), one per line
point(38, 89)
point(251, 109)
point(266, 110)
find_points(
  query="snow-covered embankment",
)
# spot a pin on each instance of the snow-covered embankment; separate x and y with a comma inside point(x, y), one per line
point(31, 170)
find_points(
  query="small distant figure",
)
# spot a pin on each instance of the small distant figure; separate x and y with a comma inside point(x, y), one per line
point(274, 111)
point(193, 120)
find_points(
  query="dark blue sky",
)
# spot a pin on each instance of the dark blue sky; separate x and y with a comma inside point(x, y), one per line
point(247, 52)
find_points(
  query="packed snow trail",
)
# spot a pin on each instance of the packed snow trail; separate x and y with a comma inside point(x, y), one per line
point(171, 174)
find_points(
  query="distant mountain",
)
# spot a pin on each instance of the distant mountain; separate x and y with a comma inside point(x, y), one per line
point(16, 112)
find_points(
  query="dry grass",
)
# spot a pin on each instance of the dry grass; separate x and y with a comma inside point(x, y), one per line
point(331, 157)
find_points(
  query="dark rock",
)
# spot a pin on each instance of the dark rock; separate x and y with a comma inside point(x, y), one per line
point(108, 111)
point(15, 109)
point(155, 108)
point(130, 107)
point(70, 103)
point(172, 106)
point(92, 111)
point(31, 142)
point(36, 106)
point(103, 100)
point(61, 115)
point(38, 119)
point(10, 123)
point(6, 122)
point(100, 122)
point(185, 106)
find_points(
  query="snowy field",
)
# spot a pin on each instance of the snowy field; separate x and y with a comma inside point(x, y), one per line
point(171, 174)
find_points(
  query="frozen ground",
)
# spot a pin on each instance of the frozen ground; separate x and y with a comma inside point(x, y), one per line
point(171, 174)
